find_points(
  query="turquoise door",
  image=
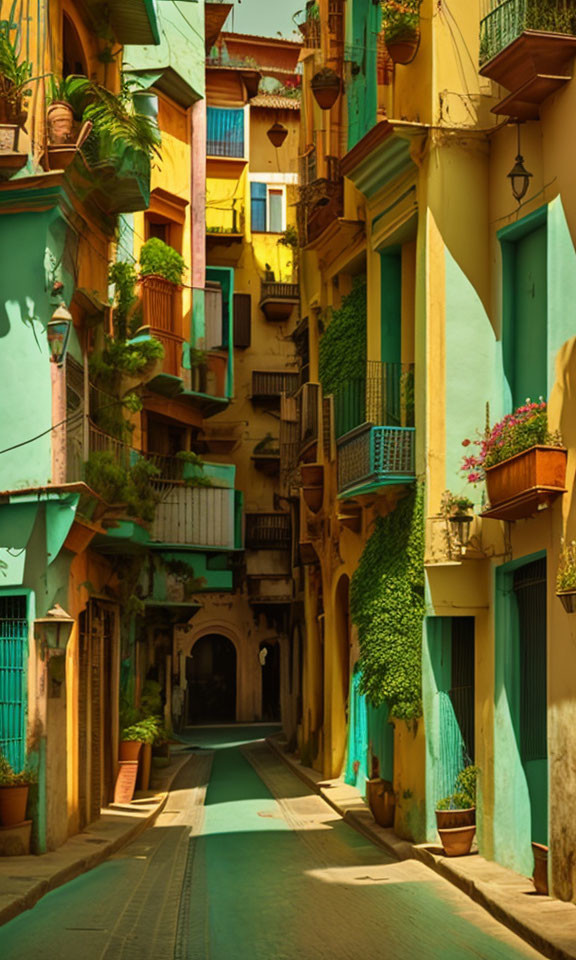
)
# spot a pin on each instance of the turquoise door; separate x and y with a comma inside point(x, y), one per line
point(13, 642)
point(530, 591)
point(530, 346)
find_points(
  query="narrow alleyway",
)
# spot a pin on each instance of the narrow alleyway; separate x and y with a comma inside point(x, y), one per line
point(271, 873)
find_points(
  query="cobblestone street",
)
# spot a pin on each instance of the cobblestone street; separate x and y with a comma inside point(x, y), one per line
point(246, 863)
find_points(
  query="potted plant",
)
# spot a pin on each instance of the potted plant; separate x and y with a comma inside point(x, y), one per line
point(14, 788)
point(457, 512)
point(15, 76)
point(135, 734)
point(566, 577)
point(159, 259)
point(67, 100)
point(401, 28)
point(456, 814)
point(326, 87)
point(540, 875)
point(380, 796)
point(518, 455)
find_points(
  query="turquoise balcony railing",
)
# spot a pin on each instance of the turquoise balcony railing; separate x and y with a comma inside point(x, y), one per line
point(371, 456)
point(385, 396)
point(506, 21)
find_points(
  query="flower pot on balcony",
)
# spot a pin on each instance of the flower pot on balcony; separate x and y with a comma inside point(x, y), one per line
point(453, 819)
point(457, 841)
point(9, 133)
point(326, 86)
point(60, 122)
point(129, 750)
point(404, 47)
point(13, 802)
point(540, 875)
point(539, 467)
point(217, 368)
point(381, 800)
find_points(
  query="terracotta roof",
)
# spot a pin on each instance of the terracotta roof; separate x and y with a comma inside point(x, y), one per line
point(274, 102)
point(254, 36)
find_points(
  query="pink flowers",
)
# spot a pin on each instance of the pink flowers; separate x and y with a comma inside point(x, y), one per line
point(526, 427)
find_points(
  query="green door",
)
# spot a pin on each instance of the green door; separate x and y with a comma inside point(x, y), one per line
point(530, 347)
point(530, 591)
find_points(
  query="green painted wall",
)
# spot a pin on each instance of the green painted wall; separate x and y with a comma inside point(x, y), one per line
point(369, 734)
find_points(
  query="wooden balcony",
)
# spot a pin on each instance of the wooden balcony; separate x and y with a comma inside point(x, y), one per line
point(527, 47)
point(370, 457)
point(277, 300)
point(268, 531)
point(195, 517)
point(161, 305)
point(270, 385)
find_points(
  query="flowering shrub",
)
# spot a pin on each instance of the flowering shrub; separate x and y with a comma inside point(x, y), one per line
point(400, 19)
point(524, 428)
point(566, 576)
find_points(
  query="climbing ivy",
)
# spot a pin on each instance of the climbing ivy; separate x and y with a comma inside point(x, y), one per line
point(387, 606)
point(343, 345)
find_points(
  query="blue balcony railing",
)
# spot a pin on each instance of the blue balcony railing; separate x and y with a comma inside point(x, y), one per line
point(506, 21)
point(372, 456)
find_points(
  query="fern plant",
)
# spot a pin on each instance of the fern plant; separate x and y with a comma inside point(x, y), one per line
point(15, 75)
point(117, 125)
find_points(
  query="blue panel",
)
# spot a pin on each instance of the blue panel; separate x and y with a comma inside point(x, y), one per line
point(258, 205)
point(225, 135)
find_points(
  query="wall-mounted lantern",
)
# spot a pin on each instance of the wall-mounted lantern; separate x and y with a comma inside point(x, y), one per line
point(277, 134)
point(58, 332)
point(519, 176)
point(461, 524)
point(55, 629)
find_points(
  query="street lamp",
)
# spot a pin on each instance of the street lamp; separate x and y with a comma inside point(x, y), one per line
point(58, 332)
point(519, 176)
point(55, 628)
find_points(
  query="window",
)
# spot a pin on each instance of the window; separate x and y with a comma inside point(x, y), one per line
point(13, 651)
point(159, 230)
point(268, 208)
point(225, 136)
point(73, 58)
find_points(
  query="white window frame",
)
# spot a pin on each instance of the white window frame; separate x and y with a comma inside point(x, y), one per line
point(275, 188)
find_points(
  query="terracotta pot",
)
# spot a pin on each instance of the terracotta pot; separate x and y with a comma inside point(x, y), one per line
point(277, 134)
point(60, 121)
point(13, 801)
point(145, 767)
point(129, 749)
point(536, 467)
point(312, 474)
point(9, 133)
point(540, 875)
point(450, 819)
point(568, 600)
point(457, 841)
point(217, 368)
point(326, 89)
point(60, 157)
point(313, 497)
point(382, 801)
point(404, 49)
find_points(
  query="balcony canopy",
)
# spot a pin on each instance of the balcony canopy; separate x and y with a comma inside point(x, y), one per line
point(133, 21)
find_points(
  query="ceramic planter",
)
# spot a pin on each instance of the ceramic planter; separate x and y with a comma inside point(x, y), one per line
point(326, 86)
point(457, 841)
point(451, 819)
point(13, 801)
point(277, 134)
point(60, 122)
point(381, 800)
point(129, 749)
point(568, 600)
point(404, 48)
point(543, 467)
point(9, 133)
point(540, 875)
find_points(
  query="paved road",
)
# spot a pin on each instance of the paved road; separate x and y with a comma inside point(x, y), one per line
point(256, 868)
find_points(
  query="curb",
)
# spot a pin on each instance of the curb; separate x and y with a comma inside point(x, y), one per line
point(481, 892)
point(85, 863)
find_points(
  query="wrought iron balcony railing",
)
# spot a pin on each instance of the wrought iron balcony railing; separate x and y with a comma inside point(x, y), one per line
point(375, 456)
point(279, 291)
point(506, 21)
point(268, 531)
point(269, 384)
point(384, 397)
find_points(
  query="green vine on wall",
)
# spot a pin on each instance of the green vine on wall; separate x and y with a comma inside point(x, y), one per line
point(387, 605)
point(343, 345)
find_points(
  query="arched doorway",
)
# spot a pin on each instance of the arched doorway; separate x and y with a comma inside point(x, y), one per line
point(211, 678)
point(73, 56)
point(270, 666)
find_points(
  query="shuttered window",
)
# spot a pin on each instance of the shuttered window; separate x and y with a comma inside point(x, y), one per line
point(13, 644)
point(242, 319)
point(258, 193)
point(225, 134)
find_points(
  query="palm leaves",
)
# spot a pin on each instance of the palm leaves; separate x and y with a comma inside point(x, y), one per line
point(14, 76)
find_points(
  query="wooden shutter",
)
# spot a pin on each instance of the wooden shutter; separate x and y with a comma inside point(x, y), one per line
point(258, 193)
point(242, 319)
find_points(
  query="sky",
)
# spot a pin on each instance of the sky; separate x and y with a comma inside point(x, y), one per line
point(264, 17)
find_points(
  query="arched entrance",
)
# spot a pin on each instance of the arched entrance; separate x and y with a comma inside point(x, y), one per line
point(270, 666)
point(211, 678)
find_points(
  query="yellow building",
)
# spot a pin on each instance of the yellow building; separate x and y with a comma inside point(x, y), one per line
point(467, 296)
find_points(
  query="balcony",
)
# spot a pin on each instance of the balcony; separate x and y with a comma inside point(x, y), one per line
point(225, 225)
point(309, 26)
point(268, 386)
point(374, 426)
point(268, 531)
point(309, 419)
point(527, 47)
point(115, 176)
point(191, 516)
point(160, 302)
point(277, 300)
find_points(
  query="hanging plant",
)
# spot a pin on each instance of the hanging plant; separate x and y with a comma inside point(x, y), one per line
point(326, 87)
point(401, 28)
point(277, 134)
point(159, 259)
